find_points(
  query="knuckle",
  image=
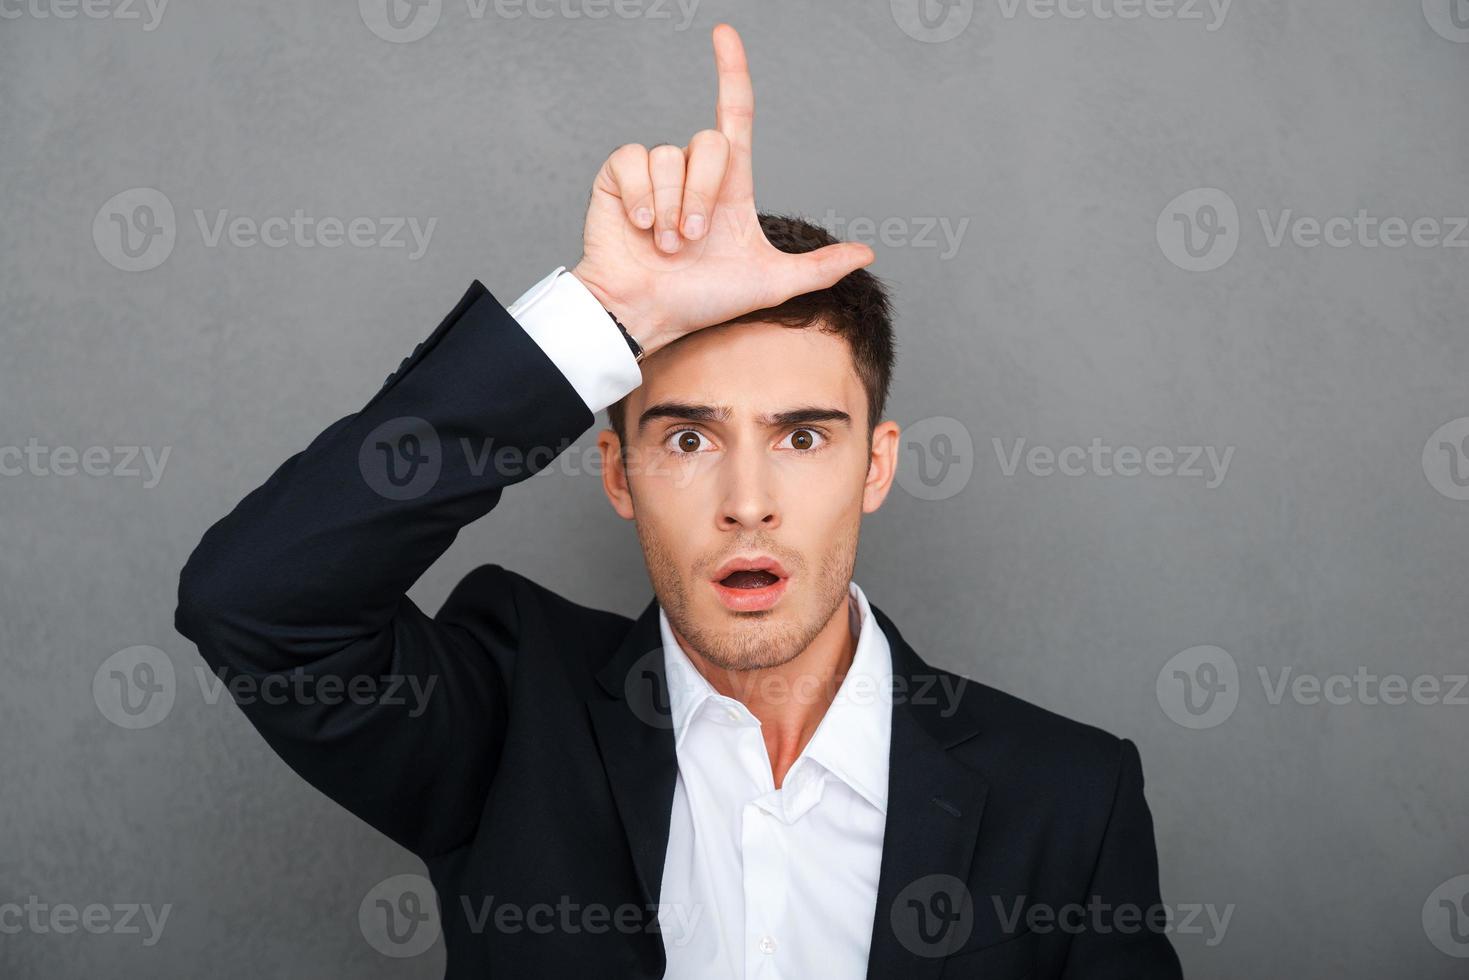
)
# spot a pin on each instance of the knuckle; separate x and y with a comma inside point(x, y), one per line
point(628, 153)
point(709, 139)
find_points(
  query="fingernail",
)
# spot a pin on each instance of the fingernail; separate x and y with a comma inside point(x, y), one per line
point(644, 216)
point(669, 241)
point(694, 226)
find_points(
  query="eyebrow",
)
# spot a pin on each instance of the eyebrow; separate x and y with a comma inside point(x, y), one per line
point(804, 415)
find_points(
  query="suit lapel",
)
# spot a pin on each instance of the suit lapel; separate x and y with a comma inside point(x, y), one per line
point(634, 731)
point(924, 908)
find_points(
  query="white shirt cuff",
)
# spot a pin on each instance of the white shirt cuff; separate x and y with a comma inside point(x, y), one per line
point(570, 325)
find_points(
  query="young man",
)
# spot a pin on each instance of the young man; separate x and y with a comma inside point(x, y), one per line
point(757, 777)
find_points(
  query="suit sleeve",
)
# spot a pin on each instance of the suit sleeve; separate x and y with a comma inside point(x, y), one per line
point(297, 598)
point(1124, 946)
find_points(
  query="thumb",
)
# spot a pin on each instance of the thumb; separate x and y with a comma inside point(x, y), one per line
point(806, 272)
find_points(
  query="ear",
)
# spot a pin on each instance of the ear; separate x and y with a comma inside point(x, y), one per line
point(614, 474)
point(882, 465)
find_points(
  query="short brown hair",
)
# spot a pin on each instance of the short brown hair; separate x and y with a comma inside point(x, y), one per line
point(857, 308)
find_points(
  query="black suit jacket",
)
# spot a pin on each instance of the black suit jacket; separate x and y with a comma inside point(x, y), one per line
point(539, 770)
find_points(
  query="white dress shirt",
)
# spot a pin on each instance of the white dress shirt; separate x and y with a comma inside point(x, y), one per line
point(570, 325)
point(758, 883)
point(769, 883)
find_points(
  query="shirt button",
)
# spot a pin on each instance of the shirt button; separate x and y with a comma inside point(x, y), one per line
point(731, 714)
point(767, 944)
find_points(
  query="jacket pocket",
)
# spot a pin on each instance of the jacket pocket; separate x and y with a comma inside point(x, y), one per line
point(1012, 959)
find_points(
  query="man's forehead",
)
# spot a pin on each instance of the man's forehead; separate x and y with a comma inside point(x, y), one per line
point(753, 367)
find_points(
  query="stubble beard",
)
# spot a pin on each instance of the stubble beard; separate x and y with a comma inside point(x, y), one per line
point(754, 641)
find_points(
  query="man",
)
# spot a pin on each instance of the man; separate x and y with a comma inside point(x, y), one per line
point(758, 777)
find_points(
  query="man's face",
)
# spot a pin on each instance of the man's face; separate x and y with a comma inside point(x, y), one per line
point(749, 441)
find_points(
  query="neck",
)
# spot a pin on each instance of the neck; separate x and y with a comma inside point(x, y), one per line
point(790, 699)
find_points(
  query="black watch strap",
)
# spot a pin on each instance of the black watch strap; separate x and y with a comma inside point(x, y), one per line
point(637, 349)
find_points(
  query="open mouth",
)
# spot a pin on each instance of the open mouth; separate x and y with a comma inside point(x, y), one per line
point(749, 579)
point(750, 585)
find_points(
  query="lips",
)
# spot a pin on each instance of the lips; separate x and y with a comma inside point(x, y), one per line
point(755, 563)
point(751, 584)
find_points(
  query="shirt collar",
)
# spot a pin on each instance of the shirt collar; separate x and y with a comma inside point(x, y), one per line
point(852, 741)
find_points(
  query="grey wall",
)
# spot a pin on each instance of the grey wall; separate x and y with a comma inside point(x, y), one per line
point(1066, 309)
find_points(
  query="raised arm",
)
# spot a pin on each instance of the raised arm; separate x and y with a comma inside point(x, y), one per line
point(302, 588)
point(300, 591)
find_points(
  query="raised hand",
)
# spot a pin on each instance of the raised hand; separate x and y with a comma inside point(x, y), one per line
point(673, 241)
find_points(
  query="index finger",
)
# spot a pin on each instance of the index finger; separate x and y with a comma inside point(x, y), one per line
point(735, 112)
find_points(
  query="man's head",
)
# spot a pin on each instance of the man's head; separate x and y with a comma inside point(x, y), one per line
point(759, 437)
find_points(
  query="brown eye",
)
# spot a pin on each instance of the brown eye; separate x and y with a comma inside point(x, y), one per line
point(688, 441)
point(805, 440)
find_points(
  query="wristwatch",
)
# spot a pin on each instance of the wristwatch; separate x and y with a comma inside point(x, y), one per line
point(637, 349)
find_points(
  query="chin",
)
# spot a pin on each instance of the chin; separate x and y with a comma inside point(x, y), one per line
point(739, 641)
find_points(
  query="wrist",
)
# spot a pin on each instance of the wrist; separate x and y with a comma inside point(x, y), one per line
point(647, 329)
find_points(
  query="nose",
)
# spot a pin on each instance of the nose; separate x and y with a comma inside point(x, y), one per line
point(749, 499)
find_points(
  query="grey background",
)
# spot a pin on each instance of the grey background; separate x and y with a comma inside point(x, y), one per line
point(1060, 319)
